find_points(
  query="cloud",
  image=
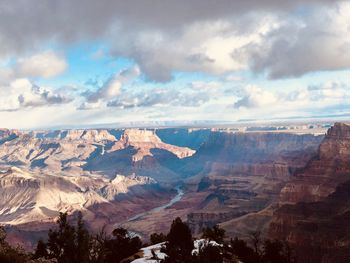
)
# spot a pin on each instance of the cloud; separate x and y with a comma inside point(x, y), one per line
point(200, 47)
point(257, 101)
point(329, 90)
point(6, 75)
point(21, 93)
point(316, 42)
point(167, 36)
point(46, 64)
point(110, 89)
point(168, 97)
point(255, 97)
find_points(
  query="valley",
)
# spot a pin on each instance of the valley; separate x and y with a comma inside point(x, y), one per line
point(280, 184)
point(143, 178)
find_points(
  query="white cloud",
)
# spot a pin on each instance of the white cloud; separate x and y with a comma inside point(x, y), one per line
point(156, 97)
point(21, 93)
point(328, 98)
point(46, 64)
point(329, 90)
point(110, 89)
point(255, 97)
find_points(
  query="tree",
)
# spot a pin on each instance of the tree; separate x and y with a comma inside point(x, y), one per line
point(67, 243)
point(179, 243)
point(255, 238)
point(276, 251)
point(156, 238)
point(9, 254)
point(41, 250)
point(121, 246)
point(216, 234)
point(83, 241)
point(61, 242)
point(209, 253)
point(240, 249)
point(98, 249)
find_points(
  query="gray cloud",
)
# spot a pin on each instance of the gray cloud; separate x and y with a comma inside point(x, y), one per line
point(138, 29)
point(316, 42)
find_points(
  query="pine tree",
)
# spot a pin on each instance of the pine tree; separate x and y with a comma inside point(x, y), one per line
point(83, 241)
point(41, 250)
point(216, 234)
point(179, 244)
point(61, 242)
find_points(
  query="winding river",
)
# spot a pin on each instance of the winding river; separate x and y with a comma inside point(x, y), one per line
point(174, 200)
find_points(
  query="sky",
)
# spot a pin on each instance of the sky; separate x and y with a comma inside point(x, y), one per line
point(69, 63)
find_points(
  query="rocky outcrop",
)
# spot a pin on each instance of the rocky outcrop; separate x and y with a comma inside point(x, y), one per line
point(325, 171)
point(314, 206)
point(26, 197)
point(87, 135)
point(192, 138)
point(145, 140)
point(122, 184)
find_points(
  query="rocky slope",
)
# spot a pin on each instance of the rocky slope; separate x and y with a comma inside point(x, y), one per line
point(49, 171)
point(233, 179)
point(243, 173)
point(26, 197)
point(98, 151)
point(314, 212)
point(46, 172)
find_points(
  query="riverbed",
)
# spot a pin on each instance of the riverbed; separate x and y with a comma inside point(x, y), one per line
point(173, 201)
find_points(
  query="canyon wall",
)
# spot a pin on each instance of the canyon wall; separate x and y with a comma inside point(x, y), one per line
point(314, 206)
point(242, 174)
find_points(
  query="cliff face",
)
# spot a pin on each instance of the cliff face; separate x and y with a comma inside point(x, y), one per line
point(192, 138)
point(243, 173)
point(325, 171)
point(229, 151)
point(314, 212)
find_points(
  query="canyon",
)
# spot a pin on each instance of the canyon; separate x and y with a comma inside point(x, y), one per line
point(282, 184)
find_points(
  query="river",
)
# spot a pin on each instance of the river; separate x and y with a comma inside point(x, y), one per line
point(174, 200)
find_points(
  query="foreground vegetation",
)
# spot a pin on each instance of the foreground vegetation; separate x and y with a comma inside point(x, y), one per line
point(72, 244)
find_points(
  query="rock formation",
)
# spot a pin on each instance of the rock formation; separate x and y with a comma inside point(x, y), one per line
point(145, 140)
point(243, 173)
point(314, 215)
